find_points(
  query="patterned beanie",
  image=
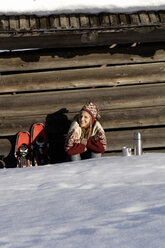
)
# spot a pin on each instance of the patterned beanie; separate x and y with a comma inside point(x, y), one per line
point(92, 109)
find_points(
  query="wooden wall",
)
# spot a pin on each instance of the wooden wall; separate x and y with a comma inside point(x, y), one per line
point(74, 30)
point(126, 81)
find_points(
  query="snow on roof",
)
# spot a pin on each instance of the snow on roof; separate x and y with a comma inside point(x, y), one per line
point(42, 7)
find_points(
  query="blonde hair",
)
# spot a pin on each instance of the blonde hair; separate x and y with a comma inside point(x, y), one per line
point(86, 131)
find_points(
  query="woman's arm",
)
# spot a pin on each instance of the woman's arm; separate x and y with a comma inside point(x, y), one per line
point(97, 142)
point(76, 149)
point(95, 145)
point(73, 144)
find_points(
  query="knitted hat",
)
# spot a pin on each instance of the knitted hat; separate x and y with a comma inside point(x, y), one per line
point(92, 109)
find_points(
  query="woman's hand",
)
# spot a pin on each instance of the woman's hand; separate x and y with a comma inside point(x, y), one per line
point(84, 141)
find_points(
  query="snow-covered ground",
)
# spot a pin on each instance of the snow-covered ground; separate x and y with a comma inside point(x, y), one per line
point(42, 7)
point(116, 202)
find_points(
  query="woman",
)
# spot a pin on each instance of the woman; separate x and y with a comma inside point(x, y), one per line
point(86, 137)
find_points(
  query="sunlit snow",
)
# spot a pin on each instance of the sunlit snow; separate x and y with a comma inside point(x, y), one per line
point(116, 202)
point(42, 7)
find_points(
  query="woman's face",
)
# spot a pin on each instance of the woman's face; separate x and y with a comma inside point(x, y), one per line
point(84, 119)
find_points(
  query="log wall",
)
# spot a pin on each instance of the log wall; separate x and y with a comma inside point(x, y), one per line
point(50, 86)
point(81, 30)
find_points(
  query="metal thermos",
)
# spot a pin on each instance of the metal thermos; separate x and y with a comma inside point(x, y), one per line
point(126, 151)
point(137, 144)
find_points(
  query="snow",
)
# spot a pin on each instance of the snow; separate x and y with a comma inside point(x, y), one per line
point(42, 7)
point(114, 201)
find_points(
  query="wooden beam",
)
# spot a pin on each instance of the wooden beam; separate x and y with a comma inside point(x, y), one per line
point(80, 78)
point(102, 20)
point(79, 57)
point(133, 118)
point(20, 32)
point(73, 38)
point(151, 138)
point(107, 98)
point(59, 122)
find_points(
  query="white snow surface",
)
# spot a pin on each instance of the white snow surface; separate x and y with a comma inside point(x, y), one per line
point(42, 7)
point(116, 202)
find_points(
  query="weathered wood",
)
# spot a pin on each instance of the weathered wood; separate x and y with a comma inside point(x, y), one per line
point(144, 18)
point(162, 16)
point(84, 21)
point(57, 39)
point(14, 23)
point(79, 57)
point(134, 19)
point(154, 17)
point(74, 21)
point(44, 23)
point(5, 147)
point(111, 119)
point(10, 126)
point(64, 21)
point(54, 22)
point(135, 117)
point(104, 20)
point(79, 78)
point(51, 31)
point(114, 20)
point(94, 21)
point(34, 22)
point(4, 24)
point(151, 138)
point(24, 23)
point(106, 98)
point(124, 19)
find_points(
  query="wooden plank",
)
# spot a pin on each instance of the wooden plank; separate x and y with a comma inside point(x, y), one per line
point(34, 22)
point(78, 57)
point(84, 21)
point(37, 39)
point(144, 18)
point(151, 138)
point(14, 23)
point(162, 16)
point(54, 22)
point(124, 19)
point(114, 20)
point(64, 21)
point(74, 21)
point(104, 20)
point(107, 98)
point(44, 23)
point(111, 119)
point(135, 117)
point(24, 23)
point(94, 21)
point(154, 18)
point(5, 147)
point(4, 23)
point(134, 19)
point(80, 78)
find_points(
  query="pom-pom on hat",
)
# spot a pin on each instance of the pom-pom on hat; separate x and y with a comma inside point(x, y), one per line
point(92, 109)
